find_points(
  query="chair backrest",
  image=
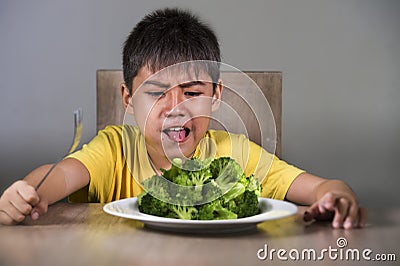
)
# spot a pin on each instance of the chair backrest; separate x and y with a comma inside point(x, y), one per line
point(111, 112)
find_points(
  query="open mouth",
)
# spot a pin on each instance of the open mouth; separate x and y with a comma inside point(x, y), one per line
point(177, 134)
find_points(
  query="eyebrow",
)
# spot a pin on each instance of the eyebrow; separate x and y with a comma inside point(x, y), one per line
point(156, 83)
point(192, 83)
point(167, 86)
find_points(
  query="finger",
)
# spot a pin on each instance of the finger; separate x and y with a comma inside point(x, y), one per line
point(35, 214)
point(328, 202)
point(341, 211)
point(21, 205)
point(39, 210)
point(5, 219)
point(42, 207)
point(352, 216)
point(362, 217)
point(13, 213)
point(312, 212)
point(29, 194)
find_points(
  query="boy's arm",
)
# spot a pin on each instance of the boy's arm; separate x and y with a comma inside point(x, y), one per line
point(329, 199)
point(21, 199)
point(67, 177)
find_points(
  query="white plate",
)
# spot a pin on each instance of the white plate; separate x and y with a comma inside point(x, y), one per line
point(270, 210)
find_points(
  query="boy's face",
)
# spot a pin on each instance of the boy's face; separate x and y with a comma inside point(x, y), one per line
point(172, 109)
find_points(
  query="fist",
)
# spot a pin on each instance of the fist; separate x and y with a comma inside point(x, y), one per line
point(19, 201)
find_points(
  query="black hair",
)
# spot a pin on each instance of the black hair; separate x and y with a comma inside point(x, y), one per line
point(166, 37)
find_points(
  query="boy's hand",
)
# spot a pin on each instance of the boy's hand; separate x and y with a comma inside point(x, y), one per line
point(340, 207)
point(19, 201)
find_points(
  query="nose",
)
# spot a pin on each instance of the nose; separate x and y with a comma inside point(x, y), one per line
point(173, 105)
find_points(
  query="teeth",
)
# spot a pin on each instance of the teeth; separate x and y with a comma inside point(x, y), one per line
point(175, 129)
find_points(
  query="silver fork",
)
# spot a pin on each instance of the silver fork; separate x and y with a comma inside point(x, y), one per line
point(74, 145)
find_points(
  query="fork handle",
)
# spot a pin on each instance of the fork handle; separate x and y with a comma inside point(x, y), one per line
point(48, 173)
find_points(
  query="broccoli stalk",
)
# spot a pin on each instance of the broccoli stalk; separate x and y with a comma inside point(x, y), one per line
point(200, 177)
point(237, 190)
point(184, 212)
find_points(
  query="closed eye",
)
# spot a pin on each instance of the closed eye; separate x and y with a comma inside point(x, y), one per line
point(193, 93)
point(155, 94)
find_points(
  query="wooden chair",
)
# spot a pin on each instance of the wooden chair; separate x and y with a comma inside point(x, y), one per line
point(111, 112)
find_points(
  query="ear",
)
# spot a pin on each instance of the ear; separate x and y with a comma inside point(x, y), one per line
point(126, 98)
point(217, 96)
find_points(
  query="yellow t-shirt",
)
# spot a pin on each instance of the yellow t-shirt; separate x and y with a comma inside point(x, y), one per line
point(117, 162)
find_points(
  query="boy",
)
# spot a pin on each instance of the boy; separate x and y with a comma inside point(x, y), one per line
point(168, 126)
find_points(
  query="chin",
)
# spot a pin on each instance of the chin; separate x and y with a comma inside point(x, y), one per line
point(179, 150)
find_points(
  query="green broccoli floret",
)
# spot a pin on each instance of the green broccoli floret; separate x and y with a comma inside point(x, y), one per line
point(242, 198)
point(196, 164)
point(237, 190)
point(249, 183)
point(184, 192)
point(158, 187)
point(183, 179)
point(226, 172)
point(219, 185)
point(254, 185)
point(215, 211)
point(151, 205)
point(211, 191)
point(183, 212)
point(246, 204)
point(186, 196)
point(200, 177)
point(175, 170)
point(190, 179)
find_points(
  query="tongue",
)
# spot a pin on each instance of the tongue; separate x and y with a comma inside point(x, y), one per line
point(177, 136)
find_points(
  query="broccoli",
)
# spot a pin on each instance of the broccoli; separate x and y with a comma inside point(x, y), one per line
point(189, 180)
point(184, 190)
point(174, 171)
point(151, 205)
point(183, 179)
point(237, 190)
point(254, 185)
point(247, 204)
point(202, 190)
point(186, 195)
point(226, 172)
point(211, 191)
point(242, 198)
point(183, 212)
point(158, 187)
point(215, 211)
point(200, 177)
point(195, 164)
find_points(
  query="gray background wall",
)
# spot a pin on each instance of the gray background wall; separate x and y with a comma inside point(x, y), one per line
point(340, 62)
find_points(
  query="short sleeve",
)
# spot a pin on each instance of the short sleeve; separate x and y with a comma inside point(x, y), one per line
point(98, 156)
point(279, 178)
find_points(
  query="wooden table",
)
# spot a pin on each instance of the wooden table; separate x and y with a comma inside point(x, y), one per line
point(82, 234)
